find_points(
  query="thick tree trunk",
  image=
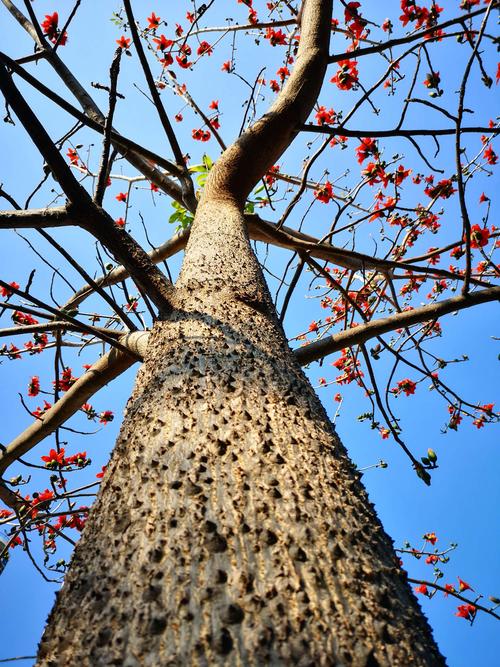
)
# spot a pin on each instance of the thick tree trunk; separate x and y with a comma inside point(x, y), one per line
point(231, 528)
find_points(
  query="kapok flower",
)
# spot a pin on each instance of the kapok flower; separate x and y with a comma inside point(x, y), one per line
point(34, 386)
point(204, 48)
point(106, 417)
point(430, 537)
point(467, 611)
point(324, 117)
point(490, 156)
point(123, 42)
point(324, 193)
point(275, 37)
point(6, 292)
point(347, 75)
point(162, 43)
point(422, 589)
point(367, 147)
point(121, 197)
point(153, 21)
point(479, 236)
point(55, 459)
point(463, 585)
point(72, 156)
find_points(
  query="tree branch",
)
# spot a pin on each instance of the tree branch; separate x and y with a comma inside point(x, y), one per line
point(357, 335)
point(107, 368)
point(35, 218)
point(391, 43)
point(248, 159)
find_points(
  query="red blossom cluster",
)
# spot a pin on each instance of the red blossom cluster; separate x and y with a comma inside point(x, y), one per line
point(23, 318)
point(56, 459)
point(65, 381)
point(326, 117)
point(5, 292)
point(349, 365)
point(324, 193)
point(408, 387)
point(354, 21)
point(50, 27)
point(443, 189)
point(366, 148)
point(201, 135)
point(276, 37)
point(34, 386)
point(346, 77)
point(421, 16)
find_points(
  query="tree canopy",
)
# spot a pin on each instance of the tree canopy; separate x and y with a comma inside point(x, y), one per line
point(373, 225)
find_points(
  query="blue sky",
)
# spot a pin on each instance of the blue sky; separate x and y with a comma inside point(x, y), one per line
point(461, 505)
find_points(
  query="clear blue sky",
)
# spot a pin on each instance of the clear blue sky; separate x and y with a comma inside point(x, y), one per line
point(462, 503)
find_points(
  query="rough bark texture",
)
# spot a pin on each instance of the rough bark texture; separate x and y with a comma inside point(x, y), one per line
point(231, 528)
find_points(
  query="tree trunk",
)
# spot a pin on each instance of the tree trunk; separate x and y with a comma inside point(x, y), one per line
point(231, 528)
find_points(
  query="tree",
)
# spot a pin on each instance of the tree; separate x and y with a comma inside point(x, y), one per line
point(243, 534)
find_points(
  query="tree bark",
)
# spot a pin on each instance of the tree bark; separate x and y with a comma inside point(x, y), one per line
point(231, 527)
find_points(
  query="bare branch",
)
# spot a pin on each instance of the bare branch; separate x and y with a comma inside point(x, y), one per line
point(37, 218)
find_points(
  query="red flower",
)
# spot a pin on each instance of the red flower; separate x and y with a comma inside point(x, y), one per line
point(479, 236)
point(73, 156)
point(34, 386)
point(162, 42)
point(483, 198)
point(51, 30)
point(54, 459)
point(204, 48)
point(120, 222)
point(106, 417)
point(406, 385)
point(214, 104)
point(121, 197)
point(226, 67)
point(463, 585)
point(5, 292)
point(324, 193)
point(324, 117)
point(269, 178)
point(100, 475)
point(123, 42)
point(23, 318)
point(366, 148)
point(200, 135)
point(490, 155)
point(183, 61)
point(252, 16)
point(275, 37)
point(66, 380)
point(422, 589)
point(39, 412)
point(347, 75)
point(385, 433)
point(430, 537)
point(153, 21)
point(467, 611)
point(313, 326)
point(443, 189)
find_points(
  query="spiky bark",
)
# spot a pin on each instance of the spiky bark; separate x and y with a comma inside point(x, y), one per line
point(231, 528)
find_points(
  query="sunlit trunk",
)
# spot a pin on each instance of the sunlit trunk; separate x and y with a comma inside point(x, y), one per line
point(231, 527)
